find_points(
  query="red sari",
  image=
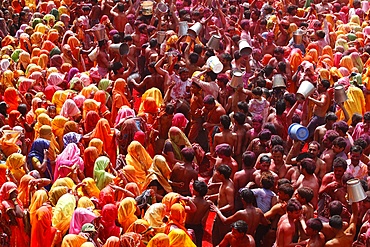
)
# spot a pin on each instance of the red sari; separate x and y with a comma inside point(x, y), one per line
point(18, 236)
point(42, 234)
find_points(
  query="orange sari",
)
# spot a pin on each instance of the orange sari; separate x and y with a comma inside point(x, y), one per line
point(103, 132)
point(42, 234)
point(11, 98)
point(119, 98)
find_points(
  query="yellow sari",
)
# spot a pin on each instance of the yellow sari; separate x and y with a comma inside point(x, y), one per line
point(37, 200)
point(126, 213)
point(15, 163)
point(138, 158)
point(62, 213)
point(160, 171)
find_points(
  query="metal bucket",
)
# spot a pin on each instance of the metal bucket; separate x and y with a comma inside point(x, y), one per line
point(183, 28)
point(298, 36)
point(298, 132)
point(147, 7)
point(194, 30)
point(215, 64)
point(237, 79)
point(305, 89)
point(161, 36)
point(244, 48)
point(214, 42)
point(121, 48)
point(99, 32)
point(355, 191)
point(340, 95)
point(278, 81)
point(161, 8)
point(93, 54)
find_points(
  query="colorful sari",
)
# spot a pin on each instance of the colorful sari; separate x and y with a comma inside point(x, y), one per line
point(24, 190)
point(80, 217)
point(126, 213)
point(42, 234)
point(42, 119)
point(159, 171)
point(70, 126)
point(15, 163)
point(98, 144)
point(109, 215)
point(91, 120)
point(57, 125)
point(179, 238)
point(138, 158)
point(90, 156)
point(160, 239)
point(119, 97)
point(66, 161)
point(177, 138)
point(177, 218)
point(38, 199)
point(90, 105)
point(63, 211)
point(37, 155)
point(9, 142)
point(102, 177)
point(11, 98)
point(18, 235)
point(69, 109)
point(155, 215)
point(88, 189)
point(103, 132)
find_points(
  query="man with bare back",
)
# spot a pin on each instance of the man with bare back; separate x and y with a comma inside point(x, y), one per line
point(225, 203)
point(322, 103)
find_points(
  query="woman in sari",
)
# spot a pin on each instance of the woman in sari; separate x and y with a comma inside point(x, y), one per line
point(126, 213)
point(100, 96)
point(26, 187)
point(69, 163)
point(160, 239)
point(138, 158)
point(90, 156)
point(11, 98)
point(155, 215)
point(177, 218)
point(90, 105)
point(56, 193)
point(80, 217)
point(158, 175)
point(47, 133)
point(88, 188)
point(43, 233)
point(173, 145)
point(179, 238)
point(98, 144)
point(63, 211)
point(16, 163)
point(38, 158)
point(42, 119)
point(57, 125)
point(107, 135)
point(70, 126)
point(123, 113)
point(347, 63)
point(101, 176)
point(70, 110)
point(109, 215)
point(13, 213)
point(91, 120)
point(127, 134)
point(141, 227)
point(38, 199)
point(119, 97)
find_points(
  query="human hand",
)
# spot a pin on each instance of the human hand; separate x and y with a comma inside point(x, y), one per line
point(213, 208)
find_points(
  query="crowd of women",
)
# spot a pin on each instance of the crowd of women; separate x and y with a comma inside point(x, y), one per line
point(125, 123)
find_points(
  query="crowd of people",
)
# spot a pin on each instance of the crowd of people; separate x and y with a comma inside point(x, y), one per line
point(128, 123)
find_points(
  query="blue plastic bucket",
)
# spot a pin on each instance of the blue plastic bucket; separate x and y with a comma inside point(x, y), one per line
point(298, 132)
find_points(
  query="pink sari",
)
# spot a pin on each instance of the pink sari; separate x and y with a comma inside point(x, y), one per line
point(68, 158)
point(80, 217)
